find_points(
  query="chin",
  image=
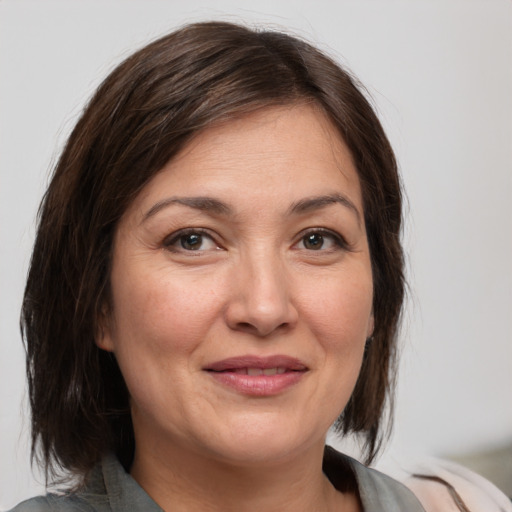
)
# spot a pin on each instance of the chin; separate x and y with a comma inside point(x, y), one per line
point(263, 443)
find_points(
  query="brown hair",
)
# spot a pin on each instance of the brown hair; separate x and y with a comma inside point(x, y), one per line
point(138, 119)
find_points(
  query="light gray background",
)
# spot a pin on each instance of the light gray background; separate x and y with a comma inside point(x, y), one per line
point(440, 72)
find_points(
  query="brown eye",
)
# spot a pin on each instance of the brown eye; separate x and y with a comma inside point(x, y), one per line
point(191, 242)
point(313, 241)
point(322, 240)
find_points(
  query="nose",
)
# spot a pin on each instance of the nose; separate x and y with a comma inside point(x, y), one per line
point(261, 303)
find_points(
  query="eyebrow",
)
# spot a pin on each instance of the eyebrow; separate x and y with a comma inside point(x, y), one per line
point(309, 204)
point(206, 204)
point(217, 207)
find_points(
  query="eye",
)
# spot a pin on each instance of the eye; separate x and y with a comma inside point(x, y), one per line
point(321, 240)
point(313, 241)
point(190, 240)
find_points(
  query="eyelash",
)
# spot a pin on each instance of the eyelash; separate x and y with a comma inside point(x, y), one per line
point(170, 242)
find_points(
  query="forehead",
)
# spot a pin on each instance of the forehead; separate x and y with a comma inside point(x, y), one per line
point(275, 154)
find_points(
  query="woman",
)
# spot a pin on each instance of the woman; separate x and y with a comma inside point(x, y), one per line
point(216, 279)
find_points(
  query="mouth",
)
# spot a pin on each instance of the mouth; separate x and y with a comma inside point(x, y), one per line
point(258, 376)
point(257, 371)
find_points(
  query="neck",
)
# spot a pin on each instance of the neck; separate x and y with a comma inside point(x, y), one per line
point(178, 480)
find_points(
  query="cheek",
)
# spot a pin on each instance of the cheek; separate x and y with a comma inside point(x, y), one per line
point(159, 311)
point(341, 310)
point(338, 319)
point(140, 312)
point(340, 316)
point(156, 328)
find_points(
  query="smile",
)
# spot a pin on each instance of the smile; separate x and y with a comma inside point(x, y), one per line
point(258, 376)
point(260, 371)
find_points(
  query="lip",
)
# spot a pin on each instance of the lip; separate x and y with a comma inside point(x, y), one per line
point(232, 372)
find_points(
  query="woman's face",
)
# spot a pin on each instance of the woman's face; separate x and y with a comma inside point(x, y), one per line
point(242, 291)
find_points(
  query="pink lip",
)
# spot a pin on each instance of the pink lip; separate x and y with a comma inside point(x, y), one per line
point(232, 372)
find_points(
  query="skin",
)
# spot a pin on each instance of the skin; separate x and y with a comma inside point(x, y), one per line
point(262, 279)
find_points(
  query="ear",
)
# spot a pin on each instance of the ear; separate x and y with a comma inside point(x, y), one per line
point(103, 331)
point(104, 341)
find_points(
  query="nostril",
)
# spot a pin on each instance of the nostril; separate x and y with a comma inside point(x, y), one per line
point(260, 330)
point(246, 326)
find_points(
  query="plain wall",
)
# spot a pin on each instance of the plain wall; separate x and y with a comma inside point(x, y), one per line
point(440, 73)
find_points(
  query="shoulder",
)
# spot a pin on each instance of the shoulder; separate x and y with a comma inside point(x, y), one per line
point(54, 503)
point(91, 497)
point(39, 504)
point(378, 491)
point(108, 488)
point(440, 485)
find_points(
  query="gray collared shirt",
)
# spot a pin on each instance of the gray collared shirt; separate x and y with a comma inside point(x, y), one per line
point(111, 489)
